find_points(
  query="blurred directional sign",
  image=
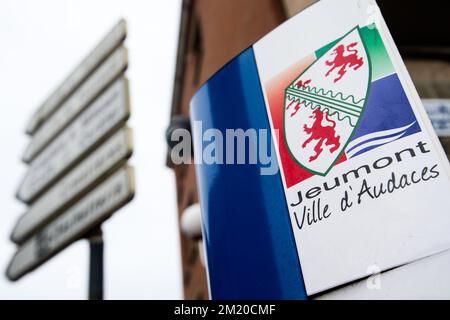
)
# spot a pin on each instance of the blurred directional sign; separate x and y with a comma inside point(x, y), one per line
point(107, 157)
point(90, 211)
point(78, 174)
point(99, 80)
point(107, 112)
point(112, 40)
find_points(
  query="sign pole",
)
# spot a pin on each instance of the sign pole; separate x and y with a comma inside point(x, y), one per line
point(96, 264)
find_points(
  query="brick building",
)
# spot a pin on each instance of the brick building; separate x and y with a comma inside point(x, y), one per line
point(214, 31)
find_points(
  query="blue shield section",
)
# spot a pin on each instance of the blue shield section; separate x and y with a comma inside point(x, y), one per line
point(251, 251)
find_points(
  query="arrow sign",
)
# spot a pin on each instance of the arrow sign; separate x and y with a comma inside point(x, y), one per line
point(107, 113)
point(80, 180)
point(77, 102)
point(87, 66)
point(89, 212)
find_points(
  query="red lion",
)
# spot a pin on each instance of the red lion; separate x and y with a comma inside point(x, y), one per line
point(341, 61)
point(325, 134)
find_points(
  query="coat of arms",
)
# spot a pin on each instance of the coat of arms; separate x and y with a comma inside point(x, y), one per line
point(325, 102)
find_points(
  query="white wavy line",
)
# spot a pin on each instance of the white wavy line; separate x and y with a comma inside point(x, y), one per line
point(374, 143)
point(378, 134)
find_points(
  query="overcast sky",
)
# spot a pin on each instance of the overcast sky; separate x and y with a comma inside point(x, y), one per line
point(41, 42)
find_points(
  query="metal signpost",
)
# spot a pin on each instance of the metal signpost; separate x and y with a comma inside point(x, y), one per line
point(78, 174)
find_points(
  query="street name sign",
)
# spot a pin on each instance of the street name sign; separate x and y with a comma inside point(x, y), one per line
point(82, 178)
point(109, 111)
point(78, 151)
point(77, 102)
point(101, 51)
point(90, 211)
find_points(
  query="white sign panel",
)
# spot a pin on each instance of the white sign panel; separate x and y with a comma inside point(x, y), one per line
point(365, 177)
point(89, 212)
point(108, 111)
point(425, 279)
point(77, 102)
point(438, 111)
point(101, 51)
point(86, 174)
